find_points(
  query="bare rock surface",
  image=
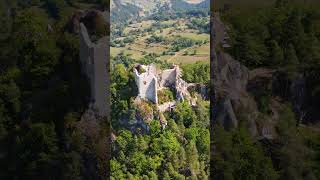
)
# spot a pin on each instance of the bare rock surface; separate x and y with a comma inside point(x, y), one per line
point(230, 84)
point(88, 18)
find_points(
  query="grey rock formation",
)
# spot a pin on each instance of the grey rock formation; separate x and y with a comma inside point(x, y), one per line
point(231, 92)
point(168, 106)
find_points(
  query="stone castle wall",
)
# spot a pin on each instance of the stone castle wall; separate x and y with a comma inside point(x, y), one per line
point(168, 78)
point(94, 58)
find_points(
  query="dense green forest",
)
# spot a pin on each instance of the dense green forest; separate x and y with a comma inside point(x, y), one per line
point(43, 94)
point(283, 36)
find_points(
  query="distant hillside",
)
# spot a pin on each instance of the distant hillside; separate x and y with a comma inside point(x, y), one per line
point(188, 4)
point(123, 10)
point(146, 5)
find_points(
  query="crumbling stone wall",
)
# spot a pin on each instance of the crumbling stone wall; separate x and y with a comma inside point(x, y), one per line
point(182, 90)
point(94, 58)
point(168, 78)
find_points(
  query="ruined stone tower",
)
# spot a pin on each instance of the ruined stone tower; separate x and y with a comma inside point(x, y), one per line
point(146, 82)
point(94, 58)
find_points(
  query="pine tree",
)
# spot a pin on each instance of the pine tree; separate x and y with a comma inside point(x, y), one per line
point(192, 158)
point(166, 175)
point(292, 60)
point(153, 176)
point(281, 3)
point(276, 54)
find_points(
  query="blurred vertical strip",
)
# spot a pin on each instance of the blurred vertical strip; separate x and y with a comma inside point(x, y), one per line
point(108, 92)
point(54, 89)
point(212, 89)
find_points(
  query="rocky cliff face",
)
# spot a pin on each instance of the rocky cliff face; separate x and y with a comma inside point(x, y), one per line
point(232, 98)
point(234, 86)
point(237, 89)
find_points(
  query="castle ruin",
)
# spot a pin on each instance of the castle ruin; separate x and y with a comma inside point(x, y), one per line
point(149, 81)
point(94, 57)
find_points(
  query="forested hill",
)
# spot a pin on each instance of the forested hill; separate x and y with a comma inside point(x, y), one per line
point(43, 93)
point(124, 10)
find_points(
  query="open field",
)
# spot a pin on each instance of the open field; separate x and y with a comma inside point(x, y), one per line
point(143, 25)
point(188, 59)
point(194, 36)
point(171, 31)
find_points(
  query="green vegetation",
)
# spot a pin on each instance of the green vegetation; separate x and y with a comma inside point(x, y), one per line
point(176, 152)
point(196, 73)
point(239, 156)
point(182, 43)
point(180, 13)
point(165, 95)
point(43, 94)
point(280, 36)
point(155, 39)
point(200, 24)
